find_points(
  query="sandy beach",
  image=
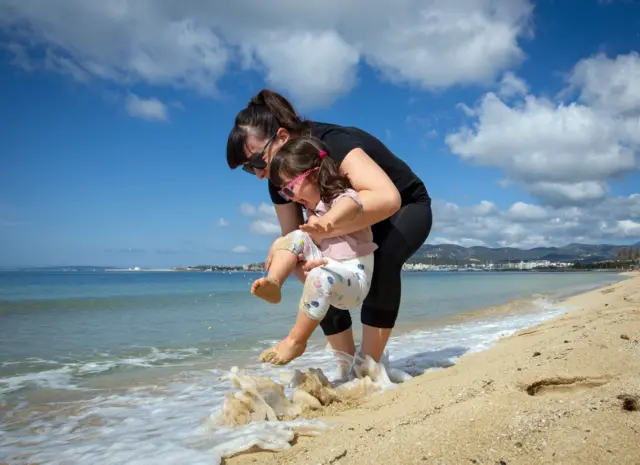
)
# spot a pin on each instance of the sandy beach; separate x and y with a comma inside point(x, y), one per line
point(563, 392)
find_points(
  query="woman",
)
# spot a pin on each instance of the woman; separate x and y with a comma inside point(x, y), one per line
point(395, 204)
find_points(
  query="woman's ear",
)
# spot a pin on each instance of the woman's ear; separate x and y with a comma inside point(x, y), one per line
point(283, 135)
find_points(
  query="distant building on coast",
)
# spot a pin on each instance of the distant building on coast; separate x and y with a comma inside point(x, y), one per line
point(489, 266)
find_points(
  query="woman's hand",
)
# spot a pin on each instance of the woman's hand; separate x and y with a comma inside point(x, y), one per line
point(311, 264)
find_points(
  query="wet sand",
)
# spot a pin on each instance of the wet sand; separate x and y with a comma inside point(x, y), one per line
point(566, 391)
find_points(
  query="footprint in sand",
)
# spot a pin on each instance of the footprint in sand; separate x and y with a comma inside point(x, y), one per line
point(563, 386)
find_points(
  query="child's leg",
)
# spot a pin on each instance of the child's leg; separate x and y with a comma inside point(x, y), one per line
point(314, 304)
point(294, 345)
point(352, 282)
point(341, 284)
point(282, 264)
point(284, 261)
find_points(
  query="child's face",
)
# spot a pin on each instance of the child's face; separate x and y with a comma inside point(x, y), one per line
point(304, 190)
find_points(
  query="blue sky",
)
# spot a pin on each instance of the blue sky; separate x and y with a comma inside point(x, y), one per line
point(523, 120)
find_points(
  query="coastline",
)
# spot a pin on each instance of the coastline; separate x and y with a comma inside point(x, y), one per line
point(547, 394)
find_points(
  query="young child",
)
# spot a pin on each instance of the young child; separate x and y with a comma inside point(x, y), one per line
point(310, 177)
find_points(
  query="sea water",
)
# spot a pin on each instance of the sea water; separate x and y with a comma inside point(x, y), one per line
point(130, 367)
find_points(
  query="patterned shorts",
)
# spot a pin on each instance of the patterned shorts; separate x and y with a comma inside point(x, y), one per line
point(341, 283)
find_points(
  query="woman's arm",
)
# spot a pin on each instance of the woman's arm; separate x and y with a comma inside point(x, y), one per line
point(379, 196)
point(289, 216)
point(342, 212)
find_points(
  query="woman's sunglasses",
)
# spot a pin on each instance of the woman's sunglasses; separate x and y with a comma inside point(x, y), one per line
point(256, 162)
point(287, 191)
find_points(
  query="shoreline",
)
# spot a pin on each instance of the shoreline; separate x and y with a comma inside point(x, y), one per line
point(546, 394)
point(523, 307)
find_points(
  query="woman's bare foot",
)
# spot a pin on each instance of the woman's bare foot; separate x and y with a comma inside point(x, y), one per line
point(284, 352)
point(267, 289)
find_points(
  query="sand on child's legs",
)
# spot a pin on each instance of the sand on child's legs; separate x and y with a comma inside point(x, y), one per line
point(285, 258)
point(342, 284)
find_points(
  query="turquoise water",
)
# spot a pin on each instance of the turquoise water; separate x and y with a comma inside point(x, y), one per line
point(84, 342)
point(56, 316)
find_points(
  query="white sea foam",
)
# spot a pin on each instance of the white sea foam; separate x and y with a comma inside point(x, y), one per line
point(179, 421)
point(68, 374)
point(60, 378)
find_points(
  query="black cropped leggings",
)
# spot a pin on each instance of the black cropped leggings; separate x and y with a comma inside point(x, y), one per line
point(398, 238)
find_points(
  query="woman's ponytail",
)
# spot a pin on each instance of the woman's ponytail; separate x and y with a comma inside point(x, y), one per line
point(282, 111)
point(266, 112)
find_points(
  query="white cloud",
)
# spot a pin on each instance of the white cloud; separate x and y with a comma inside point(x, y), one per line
point(150, 109)
point(464, 241)
point(317, 78)
point(267, 210)
point(627, 228)
point(541, 141)
point(264, 210)
point(521, 211)
point(63, 65)
point(576, 193)
point(562, 153)
point(265, 219)
point(123, 41)
point(222, 223)
point(311, 49)
point(266, 228)
point(440, 43)
point(484, 208)
point(247, 209)
point(511, 85)
point(615, 219)
point(609, 84)
point(240, 249)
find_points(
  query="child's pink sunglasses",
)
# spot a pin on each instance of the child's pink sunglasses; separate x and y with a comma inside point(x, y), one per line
point(287, 191)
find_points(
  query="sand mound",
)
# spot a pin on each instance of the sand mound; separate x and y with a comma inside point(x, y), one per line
point(260, 415)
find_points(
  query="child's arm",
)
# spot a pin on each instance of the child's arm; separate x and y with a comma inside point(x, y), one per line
point(343, 211)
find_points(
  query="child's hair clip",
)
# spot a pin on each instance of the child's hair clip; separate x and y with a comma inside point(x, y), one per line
point(322, 154)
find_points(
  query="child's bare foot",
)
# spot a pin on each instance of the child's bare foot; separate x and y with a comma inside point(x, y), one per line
point(284, 352)
point(267, 289)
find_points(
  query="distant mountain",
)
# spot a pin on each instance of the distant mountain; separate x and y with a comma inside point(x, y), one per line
point(449, 254)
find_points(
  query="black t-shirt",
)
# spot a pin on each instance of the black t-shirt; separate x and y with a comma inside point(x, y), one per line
point(341, 140)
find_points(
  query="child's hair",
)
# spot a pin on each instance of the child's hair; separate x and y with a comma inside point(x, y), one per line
point(305, 153)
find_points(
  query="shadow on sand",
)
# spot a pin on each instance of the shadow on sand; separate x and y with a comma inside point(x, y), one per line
point(417, 364)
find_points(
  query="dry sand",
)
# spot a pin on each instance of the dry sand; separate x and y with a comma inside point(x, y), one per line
point(553, 393)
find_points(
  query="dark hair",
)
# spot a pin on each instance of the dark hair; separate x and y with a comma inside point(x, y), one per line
point(265, 113)
point(303, 153)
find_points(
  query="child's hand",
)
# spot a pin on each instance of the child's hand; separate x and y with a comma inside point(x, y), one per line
point(317, 226)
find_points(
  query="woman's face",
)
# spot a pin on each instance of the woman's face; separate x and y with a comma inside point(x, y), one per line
point(265, 149)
